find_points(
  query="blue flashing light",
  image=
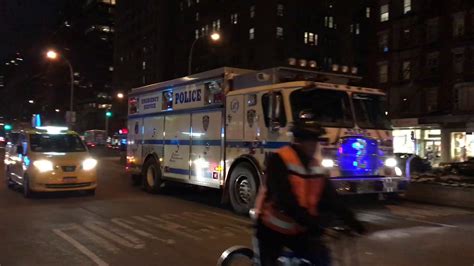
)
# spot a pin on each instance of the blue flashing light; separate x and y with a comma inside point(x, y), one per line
point(37, 120)
point(27, 161)
point(358, 156)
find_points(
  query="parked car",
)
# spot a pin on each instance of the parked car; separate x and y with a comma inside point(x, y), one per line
point(459, 168)
point(417, 164)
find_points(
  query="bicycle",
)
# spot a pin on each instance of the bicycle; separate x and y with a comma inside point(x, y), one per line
point(342, 253)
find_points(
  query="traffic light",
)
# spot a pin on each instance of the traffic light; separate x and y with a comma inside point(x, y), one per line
point(8, 127)
point(108, 114)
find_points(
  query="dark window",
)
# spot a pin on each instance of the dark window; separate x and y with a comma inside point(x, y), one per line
point(56, 143)
point(370, 111)
point(266, 102)
point(330, 108)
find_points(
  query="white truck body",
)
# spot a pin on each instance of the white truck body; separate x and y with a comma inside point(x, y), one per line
point(200, 128)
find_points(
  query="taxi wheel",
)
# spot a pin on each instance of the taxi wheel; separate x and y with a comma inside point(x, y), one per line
point(152, 181)
point(243, 188)
point(8, 179)
point(27, 193)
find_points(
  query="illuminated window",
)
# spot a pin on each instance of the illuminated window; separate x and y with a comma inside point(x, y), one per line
point(196, 34)
point(311, 38)
point(252, 33)
point(384, 13)
point(383, 41)
point(279, 32)
point(367, 12)
point(252, 11)
point(406, 6)
point(280, 10)
point(331, 22)
point(357, 29)
point(234, 18)
point(406, 70)
point(197, 16)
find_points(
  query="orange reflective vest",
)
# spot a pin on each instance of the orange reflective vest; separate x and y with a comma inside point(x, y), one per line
point(306, 184)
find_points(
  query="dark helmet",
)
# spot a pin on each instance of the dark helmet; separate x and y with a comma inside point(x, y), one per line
point(306, 128)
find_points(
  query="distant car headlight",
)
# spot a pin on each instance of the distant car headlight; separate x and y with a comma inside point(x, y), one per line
point(328, 163)
point(390, 162)
point(89, 164)
point(43, 165)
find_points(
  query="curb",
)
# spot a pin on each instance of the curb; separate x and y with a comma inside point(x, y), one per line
point(441, 195)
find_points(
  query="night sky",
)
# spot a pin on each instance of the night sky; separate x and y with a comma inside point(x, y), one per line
point(26, 22)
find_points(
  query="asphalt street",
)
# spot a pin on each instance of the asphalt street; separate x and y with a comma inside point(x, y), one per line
point(123, 225)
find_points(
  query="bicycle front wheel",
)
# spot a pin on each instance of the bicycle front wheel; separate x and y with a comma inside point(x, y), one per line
point(236, 256)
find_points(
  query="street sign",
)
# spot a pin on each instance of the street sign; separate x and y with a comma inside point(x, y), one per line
point(70, 117)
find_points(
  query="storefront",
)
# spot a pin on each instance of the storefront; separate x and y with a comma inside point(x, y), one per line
point(451, 138)
point(425, 143)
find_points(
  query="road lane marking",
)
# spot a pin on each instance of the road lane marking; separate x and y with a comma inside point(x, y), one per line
point(91, 236)
point(167, 226)
point(129, 225)
point(81, 248)
point(229, 230)
point(432, 223)
point(245, 221)
point(115, 234)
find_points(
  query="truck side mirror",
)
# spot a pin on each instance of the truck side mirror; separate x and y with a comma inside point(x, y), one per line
point(274, 111)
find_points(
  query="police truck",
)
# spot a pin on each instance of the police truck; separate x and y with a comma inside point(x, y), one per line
point(214, 129)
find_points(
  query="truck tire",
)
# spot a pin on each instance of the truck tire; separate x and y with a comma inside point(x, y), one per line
point(152, 181)
point(243, 187)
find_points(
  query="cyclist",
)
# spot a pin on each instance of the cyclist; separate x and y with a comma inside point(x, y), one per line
point(295, 191)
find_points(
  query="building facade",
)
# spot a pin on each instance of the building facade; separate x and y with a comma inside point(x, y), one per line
point(154, 38)
point(424, 58)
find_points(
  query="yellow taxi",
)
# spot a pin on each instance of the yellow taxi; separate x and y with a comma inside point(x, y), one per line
point(50, 159)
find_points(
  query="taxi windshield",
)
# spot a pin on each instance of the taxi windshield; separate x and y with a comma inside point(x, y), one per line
point(56, 143)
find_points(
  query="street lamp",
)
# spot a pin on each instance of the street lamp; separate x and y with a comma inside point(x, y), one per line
point(31, 101)
point(120, 95)
point(53, 55)
point(215, 36)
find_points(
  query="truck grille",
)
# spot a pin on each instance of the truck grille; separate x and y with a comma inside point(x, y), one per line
point(358, 156)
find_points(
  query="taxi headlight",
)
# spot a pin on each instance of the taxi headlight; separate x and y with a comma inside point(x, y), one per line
point(398, 171)
point(43, 165)
point(328, 163)
point(390, 162)
point(89, 164)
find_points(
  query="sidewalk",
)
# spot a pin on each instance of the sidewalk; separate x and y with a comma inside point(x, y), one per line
point(448, 190)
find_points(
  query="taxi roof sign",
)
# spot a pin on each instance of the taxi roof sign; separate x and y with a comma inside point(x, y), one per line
point(53, 129)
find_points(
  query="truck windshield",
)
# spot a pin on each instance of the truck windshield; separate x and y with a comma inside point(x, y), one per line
point(370, 111)
point(330, 108)
point(56, 143)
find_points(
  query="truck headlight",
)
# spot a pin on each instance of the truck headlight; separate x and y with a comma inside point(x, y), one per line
point(328, 163)
point(89, 164)
point(43, 165)
point(390, 162)
point(398, 171)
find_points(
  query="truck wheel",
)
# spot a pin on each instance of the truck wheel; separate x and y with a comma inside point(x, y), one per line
point(243, 188)
point(152, 180)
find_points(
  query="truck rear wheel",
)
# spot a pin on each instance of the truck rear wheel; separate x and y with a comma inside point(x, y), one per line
point(243, 187)
point(152, 181)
